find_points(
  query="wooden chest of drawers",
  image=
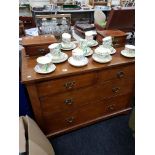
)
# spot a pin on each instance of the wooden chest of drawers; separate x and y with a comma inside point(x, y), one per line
point(66, 100)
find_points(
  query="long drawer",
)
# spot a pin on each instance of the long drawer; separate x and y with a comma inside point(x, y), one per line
point(69, 119)
point(66, 84)
point(120, 72)
point(73, 99)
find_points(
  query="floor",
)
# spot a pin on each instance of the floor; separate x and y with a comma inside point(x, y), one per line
point(109, 137)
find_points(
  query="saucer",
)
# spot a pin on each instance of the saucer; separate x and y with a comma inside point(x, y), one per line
point(95, 58)
point(73, 45)
point(95, 43)
point(89, 53)
point(113, 51)
point(62, 58)
point(51, 68)
point(126, 54)
point(78, 63)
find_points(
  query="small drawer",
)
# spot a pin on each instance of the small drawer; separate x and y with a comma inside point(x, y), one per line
point(36, 50)
point(117, 103)
point(115, 87)
point(66, 84)
point(120, 72)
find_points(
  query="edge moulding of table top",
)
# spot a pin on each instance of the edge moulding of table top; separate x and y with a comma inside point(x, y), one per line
point(71, 97)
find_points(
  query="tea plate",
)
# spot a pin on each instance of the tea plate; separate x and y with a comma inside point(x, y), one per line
point(63, 58)
point(78, 63)
point(51, 68)
point(90, 53)
point(73, 45)
point(94, 44)
point(113, 51)
point(126, 54)
point(95, 58)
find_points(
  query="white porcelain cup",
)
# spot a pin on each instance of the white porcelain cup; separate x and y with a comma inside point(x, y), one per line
point(66, 39)
point(102, 52)
point(88, 36)
point(130, 49)
point(77, 54)
point(44, 62)
point(55, 49)
point(107, 41)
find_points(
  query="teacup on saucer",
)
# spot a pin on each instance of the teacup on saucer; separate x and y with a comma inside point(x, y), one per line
point(55, 50)
point(77, 54)
point(130, 49)
point(102, 52)
point(43, 63)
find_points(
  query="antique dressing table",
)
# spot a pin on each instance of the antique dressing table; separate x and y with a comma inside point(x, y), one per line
point(70, 97)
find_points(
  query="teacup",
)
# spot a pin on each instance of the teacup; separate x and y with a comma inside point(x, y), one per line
point(43, 63)
point(107, 41)
point(66, 40)
point(83, 44)
point(130, 49)
point(102, 52)
point(88, 36)
point(55, 50)
point(77, 54)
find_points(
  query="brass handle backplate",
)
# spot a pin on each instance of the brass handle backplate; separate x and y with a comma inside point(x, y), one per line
point(69, 85)
point(120, 74)
point(111, 107)
point(42, 50)
point(70, 120)
point(116, 89)
point(68, 101)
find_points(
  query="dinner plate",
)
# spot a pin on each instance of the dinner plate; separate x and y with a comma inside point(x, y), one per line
point(128, 55)
point(50, 69)
point(97, 59)
point(78, 63)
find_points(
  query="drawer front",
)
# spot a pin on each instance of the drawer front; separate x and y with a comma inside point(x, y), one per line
point(37, 50)
point(68, 100)
point(66, 84)
point(96, 110)
point(120, 72)
point(74, 99)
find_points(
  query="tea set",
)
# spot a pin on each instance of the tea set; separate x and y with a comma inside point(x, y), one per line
point(102, 54)
point(129, 51)
point(44, 65)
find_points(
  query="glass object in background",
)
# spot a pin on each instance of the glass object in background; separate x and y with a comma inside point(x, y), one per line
point(55, 28)
point(64, 26)
point(44, 26)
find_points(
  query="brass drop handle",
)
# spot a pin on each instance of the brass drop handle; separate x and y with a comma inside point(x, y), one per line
point(68, 101)
point(70, 120)
point(111, 107)
point(120, 74)
point(69, 85)
point(42, 50)
point(116, 89)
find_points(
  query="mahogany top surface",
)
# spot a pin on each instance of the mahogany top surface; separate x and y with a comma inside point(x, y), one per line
point(28, 75)
point(113, 33)
point(38, 40)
